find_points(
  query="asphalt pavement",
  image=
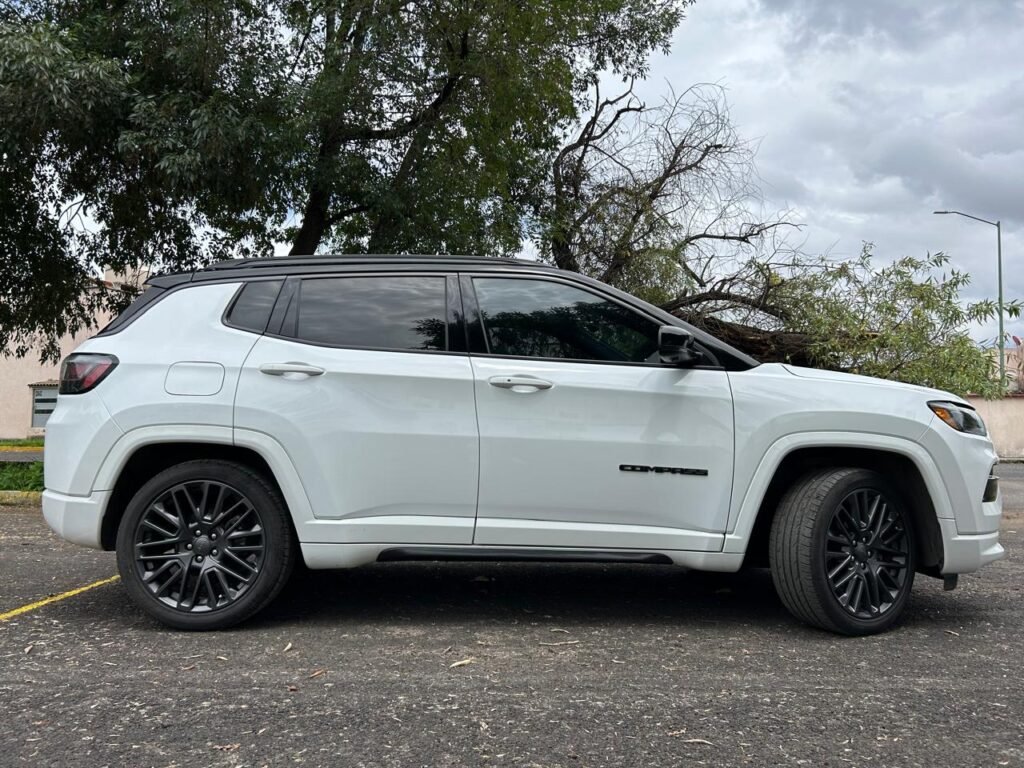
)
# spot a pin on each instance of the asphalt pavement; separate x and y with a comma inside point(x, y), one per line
point(426, 664)
point(21, 456)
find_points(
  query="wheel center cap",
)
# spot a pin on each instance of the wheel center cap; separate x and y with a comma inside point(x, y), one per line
point(202, 545)
point(860, 552)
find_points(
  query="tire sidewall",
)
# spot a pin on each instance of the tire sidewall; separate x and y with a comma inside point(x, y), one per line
point(859, 480)
point(276, 560)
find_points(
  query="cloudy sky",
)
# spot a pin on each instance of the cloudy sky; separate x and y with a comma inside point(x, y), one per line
point(872, 114)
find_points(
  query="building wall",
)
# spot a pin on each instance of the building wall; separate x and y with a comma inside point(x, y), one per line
point(16, 374)
point(16, 396)
point(1005, 421)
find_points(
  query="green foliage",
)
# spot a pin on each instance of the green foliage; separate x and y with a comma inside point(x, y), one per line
point(21, 476)
point(899, 321)
point(169, 134)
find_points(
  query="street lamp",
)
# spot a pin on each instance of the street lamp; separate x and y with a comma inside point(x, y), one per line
point(999, 257)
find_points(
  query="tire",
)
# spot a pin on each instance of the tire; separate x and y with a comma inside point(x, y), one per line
point(241, 558)
point(829, 536)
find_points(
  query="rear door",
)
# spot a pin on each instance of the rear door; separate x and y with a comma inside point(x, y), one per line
point(586, 439)
point(362, 381)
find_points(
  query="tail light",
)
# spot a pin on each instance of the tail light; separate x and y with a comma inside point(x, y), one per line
point(83, 371)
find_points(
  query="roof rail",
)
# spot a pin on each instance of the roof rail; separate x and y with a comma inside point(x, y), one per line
point(361, 258)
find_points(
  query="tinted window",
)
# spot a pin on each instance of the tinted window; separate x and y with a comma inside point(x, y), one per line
point(251, 309)
point(538, 318)
point(378, 312)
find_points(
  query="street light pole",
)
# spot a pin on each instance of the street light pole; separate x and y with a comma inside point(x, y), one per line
point(999, 263)
point(1002, 334)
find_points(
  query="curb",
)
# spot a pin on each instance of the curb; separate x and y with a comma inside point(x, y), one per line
point(21, 448)
point(20, 498)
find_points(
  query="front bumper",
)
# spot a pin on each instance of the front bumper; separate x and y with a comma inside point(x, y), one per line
point(967, 552)
point(76, 518)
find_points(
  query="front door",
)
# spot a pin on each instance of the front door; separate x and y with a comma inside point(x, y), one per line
point(586, 439)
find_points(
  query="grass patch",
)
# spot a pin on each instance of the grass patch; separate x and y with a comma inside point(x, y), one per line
point(21, 476)
point(26, 444)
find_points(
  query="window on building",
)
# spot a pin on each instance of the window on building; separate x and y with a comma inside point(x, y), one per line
point(44, 400)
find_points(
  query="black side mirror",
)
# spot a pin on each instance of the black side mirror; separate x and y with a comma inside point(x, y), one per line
point(675, 346)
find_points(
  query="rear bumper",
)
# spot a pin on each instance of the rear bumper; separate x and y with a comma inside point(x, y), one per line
point(76, 518)
point(967, 552)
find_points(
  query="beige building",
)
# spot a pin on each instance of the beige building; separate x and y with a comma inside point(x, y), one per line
point(28, 388)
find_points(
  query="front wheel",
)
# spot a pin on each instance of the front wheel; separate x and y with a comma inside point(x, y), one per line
point(204, 545)
point(842, 551)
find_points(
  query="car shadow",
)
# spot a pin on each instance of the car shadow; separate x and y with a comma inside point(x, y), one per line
point(439, 593)
point(583, 594)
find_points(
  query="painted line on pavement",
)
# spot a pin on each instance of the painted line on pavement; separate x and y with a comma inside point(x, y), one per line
point(55, 598)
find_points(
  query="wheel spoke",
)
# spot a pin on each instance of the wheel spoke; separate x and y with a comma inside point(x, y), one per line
point(158, 543)
point(227, 513)
point(874, 596)
point(839, 568)
point(212, 599)
point(152, 575)
point(159, 558)
point(238, 521)
point(186, 514)
point(256, 531)
point(248, 566)
point(150, 524)
point(845, 578)
point(856, 590)
point(852, 527)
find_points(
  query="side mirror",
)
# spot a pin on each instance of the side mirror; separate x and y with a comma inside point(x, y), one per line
point(675, 346)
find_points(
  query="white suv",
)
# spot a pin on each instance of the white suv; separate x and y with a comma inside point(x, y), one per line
point(360, 409)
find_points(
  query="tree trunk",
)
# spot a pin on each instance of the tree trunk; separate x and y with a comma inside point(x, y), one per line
point(314, 222)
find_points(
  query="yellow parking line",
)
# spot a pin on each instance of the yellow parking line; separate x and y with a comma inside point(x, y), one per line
point(55, 598)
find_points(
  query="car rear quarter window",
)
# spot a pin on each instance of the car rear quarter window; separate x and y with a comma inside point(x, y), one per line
point(395, 313)
point(253, 305)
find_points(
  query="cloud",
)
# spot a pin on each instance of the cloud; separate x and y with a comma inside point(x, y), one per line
point(871, 115)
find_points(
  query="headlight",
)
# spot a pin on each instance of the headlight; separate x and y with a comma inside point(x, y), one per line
point(959, 417)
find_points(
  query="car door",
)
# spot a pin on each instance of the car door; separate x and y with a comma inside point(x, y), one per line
point(586, 439)
point(361, 381)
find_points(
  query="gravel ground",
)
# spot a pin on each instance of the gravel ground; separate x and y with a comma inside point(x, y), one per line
point(504, 665)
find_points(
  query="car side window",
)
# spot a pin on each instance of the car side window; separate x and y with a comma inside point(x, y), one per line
point(251, 308)
point(399, 313)
point(541, 318)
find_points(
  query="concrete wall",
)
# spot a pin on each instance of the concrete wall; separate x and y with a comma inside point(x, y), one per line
point(1005, 421)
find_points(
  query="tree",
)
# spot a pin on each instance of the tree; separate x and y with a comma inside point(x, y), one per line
point(663, 201)
point(176, 132)
point(658, 200)
point(900, 321)
point(171, 133)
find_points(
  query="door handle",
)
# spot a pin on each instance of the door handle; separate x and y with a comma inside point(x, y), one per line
point(280, 369)
point(519, 383)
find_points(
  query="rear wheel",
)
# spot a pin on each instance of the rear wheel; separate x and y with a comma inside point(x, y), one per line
point(205, 545)
point(842, 551)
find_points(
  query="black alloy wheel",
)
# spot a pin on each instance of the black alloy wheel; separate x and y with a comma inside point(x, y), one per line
point(205, 544)
point(842, 551)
